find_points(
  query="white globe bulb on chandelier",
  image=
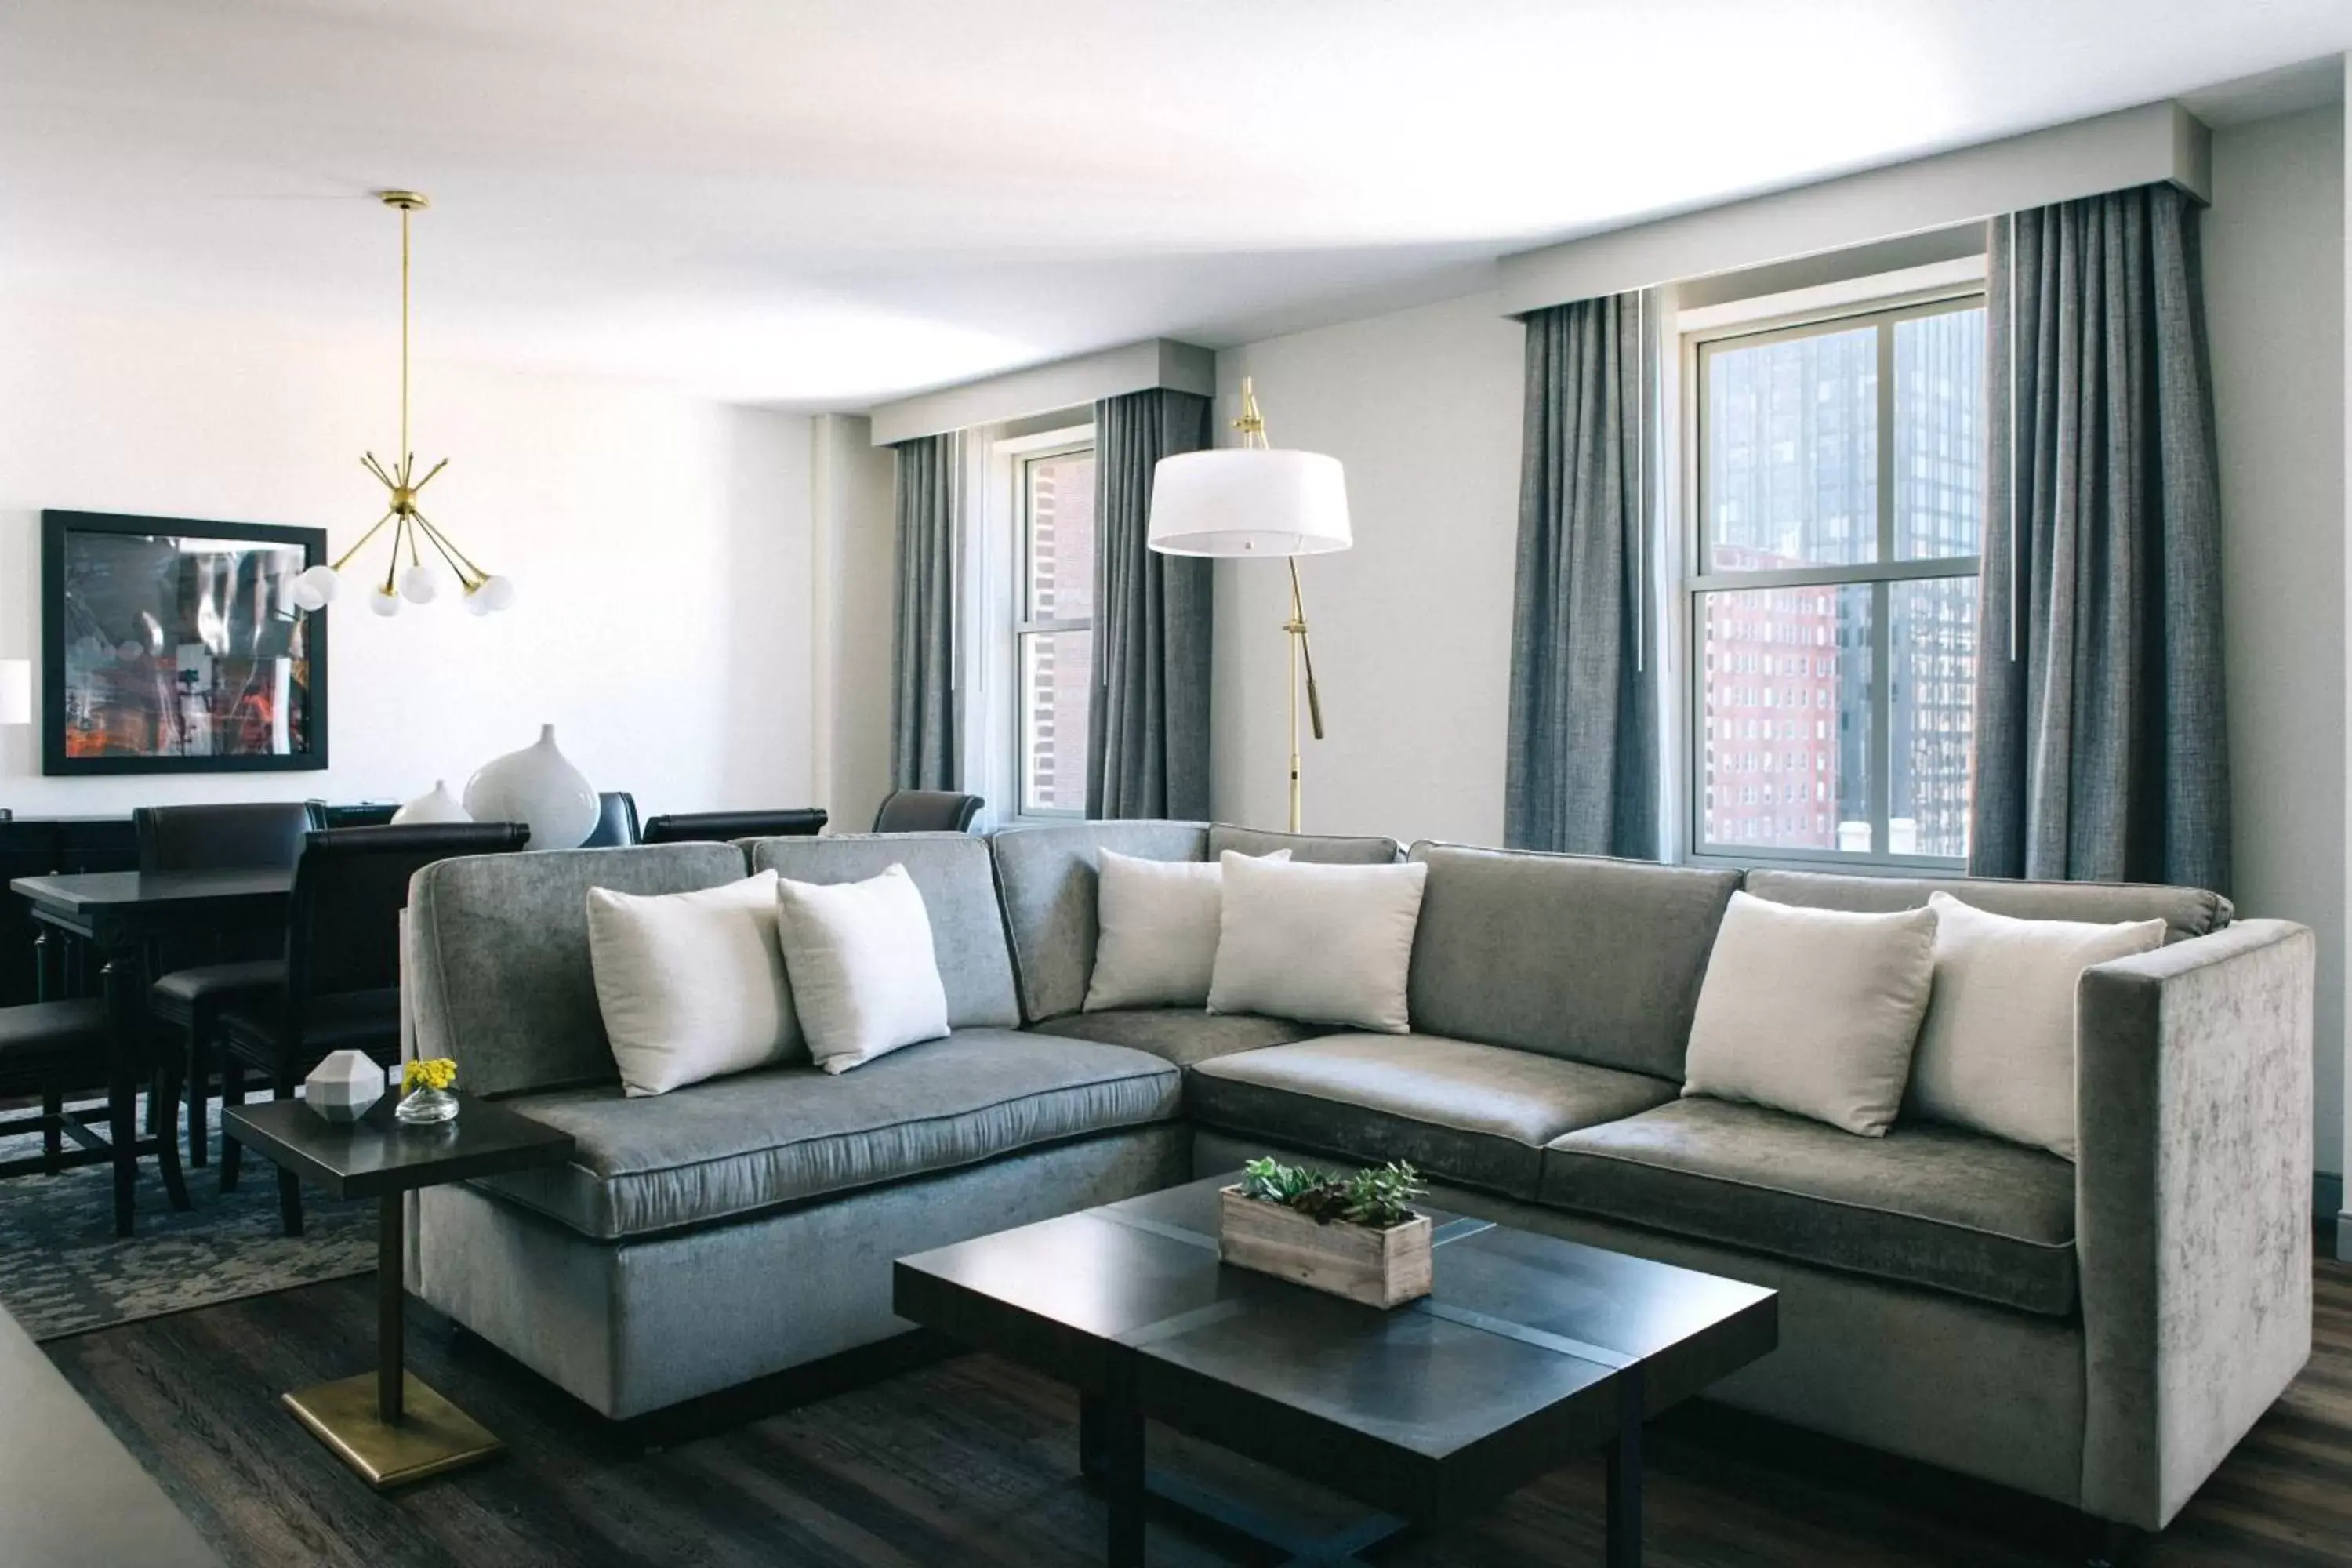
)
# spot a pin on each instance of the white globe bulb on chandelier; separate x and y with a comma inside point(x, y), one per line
point(420, 583)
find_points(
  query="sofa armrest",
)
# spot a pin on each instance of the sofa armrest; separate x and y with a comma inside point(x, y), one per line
point(2193, 1104)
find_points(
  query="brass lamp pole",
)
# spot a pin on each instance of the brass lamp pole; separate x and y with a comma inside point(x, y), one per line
point(1251, 427)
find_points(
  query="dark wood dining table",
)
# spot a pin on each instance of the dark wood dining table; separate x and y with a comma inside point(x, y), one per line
point(123, 914)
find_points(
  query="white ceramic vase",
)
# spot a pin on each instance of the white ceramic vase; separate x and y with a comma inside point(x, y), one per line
point(540, 787)
point(436, 804)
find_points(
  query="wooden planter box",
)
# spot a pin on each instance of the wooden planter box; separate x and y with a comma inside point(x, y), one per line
point(1379, 1268)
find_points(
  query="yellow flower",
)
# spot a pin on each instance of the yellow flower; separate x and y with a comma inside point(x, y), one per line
point(430, 1072)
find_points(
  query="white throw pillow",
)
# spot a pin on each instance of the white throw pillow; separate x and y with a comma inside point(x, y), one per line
point(1997, 1052)
point(1813, 1011)
point(691, 984)
point(1158, 946)
point(1326, 945)
point(866, 979)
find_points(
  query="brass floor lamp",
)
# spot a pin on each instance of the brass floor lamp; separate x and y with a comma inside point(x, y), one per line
point(1254, 500)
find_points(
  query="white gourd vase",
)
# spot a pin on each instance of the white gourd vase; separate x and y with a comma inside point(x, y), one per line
point(540, 787)
point(436, 804)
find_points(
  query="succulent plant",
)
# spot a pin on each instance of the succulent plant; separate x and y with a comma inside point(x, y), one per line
point(1377, 1198)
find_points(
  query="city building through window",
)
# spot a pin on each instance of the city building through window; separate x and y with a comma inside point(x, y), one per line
point(1052, 632)
point(1840, 515)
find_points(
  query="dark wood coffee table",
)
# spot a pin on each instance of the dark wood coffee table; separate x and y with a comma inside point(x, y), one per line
point(388, 1425)
point(1531, 1350)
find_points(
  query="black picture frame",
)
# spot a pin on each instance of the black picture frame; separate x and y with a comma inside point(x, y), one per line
point(59, 530)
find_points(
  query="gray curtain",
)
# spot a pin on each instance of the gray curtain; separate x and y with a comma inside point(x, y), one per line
point(1147, 730)
point(923, 619)
point(2101, 751)
point(1582, 772)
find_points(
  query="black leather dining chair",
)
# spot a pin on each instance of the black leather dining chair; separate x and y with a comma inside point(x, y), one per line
point(926, 811)
point(51, 1049)
point(617, 821)
point(723, 826)
point(193, 988)
point(342, 964)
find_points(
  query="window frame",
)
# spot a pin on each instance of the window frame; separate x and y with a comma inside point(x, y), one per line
point(1023, 454)
point(1699, 578)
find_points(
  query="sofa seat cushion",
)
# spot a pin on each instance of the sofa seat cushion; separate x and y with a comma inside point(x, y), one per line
point(1928, 1206)
point(1185, 1036)
point(1476, 1114)
point(731, 1147)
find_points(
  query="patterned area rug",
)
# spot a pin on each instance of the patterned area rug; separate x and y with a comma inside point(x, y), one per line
point(63, 1271)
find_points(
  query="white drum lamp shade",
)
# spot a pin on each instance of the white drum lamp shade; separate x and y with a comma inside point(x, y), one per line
point(15, 690)
point(1243, 500)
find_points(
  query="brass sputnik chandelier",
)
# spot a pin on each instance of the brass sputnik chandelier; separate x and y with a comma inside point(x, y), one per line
point(421, 583)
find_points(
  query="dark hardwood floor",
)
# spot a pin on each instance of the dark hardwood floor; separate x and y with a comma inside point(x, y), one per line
point(971, 1460)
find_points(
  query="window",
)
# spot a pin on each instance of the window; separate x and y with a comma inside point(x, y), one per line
point(1053, 628)
point(1839, 508)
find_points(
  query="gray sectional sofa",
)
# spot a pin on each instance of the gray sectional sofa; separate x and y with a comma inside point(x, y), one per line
point(2098, 1334)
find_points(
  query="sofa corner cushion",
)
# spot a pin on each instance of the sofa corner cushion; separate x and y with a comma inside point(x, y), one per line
point(1573, 956)
point(952, 872)
point(1477, 1114)
point(1314, 848)
point(1936, 1207)
point(731, 1147)
point(2184, 911)
point(1183, 1036)
point(1046, 875)
point(501, 977)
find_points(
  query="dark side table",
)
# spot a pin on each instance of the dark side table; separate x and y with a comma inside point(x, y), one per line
point(388, 1424)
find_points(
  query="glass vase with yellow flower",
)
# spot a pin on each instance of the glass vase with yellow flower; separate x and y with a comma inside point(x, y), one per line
point(427, 1083)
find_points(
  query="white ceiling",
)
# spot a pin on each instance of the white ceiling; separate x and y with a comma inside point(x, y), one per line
point(824, 205)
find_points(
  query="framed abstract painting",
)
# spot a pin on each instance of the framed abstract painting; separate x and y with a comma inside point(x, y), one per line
point(172, 646)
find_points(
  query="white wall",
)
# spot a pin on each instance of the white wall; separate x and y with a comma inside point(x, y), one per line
point(2274, 267)
point(1411, 628)
point(855, 556)
point(662, 546)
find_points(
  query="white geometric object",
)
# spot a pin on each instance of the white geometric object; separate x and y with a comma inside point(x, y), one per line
point(538, 786)
point(436, 804)
point(341, 1087)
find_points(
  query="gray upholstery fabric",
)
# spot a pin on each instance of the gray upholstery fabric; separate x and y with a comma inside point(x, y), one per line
point(1322, 849)
point(1571, 955)
point(1472, 1113)
point(951, 870)
point(500, 977)
point(923, 613)
point(1942, 1379)
point(1940, 1207)
point(2101, 748)
point(1185, 1036)
point(1047, 876)
point(1580, 769)
point(1154, 614)
point(2184, 911)
point(2193, 1079)
point(630, 1327)
point(730, 1147)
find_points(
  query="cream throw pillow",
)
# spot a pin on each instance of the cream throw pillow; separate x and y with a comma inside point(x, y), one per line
point(1997, 1052)
point(1158, 946)
point(866, 979)
point(691, 984)
point(1813, 1011)
point(1326, 945)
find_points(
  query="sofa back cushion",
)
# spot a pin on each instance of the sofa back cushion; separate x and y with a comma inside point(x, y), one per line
point(1047, 877)
point(1572, 955)
point(1313, 848)
point(500, 977)
point(2184, 911)
point(951, 872)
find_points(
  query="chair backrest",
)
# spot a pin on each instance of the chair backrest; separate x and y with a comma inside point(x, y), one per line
point(927, 811)
point(617, 821)
point(726, 826)
point(343, 926)
point(356, 814)
point(241, 835)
